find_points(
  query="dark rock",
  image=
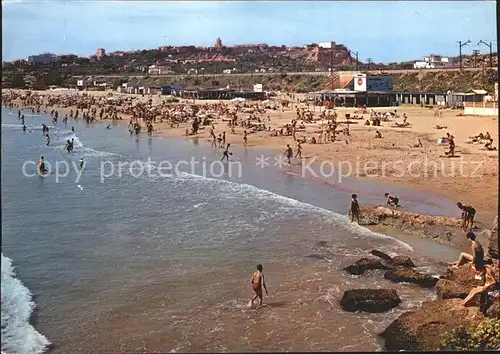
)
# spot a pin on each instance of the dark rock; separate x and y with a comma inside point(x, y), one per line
point(380, 254)
point(408, 275)
point(316, 257)
point(423, 329)
point(402, 261)
point(398, 261)
point(364, 264)
point(494, 308)
point(370, 300)
point(493, 240)
point(463, 275)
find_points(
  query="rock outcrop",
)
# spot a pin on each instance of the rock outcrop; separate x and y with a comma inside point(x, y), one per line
point(364, 264)
point(406, 220)
point(423, 330)
point(447, 289)
point(493, 310)
point(493, 240)
point(370, 300)
point(408, 275)
point(464, 275)
point(396, 261)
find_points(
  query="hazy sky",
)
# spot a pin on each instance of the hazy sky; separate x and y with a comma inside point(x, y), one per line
point(383, 31)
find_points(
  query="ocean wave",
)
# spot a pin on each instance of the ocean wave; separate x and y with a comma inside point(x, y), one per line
point(239, 190)
point(79, 147)
point(18, 335)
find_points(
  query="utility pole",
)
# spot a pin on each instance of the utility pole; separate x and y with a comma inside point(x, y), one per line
point(356, 54)
point(491, 53)
point(331, 65)
point(475, 53)
point(460, 45)
point(369, 61)
point(213, 71)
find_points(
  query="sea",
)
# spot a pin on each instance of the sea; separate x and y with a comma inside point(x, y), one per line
point(128, 254)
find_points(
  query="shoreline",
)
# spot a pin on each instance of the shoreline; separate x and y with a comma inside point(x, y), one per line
point(389, 234)
point(438, 186)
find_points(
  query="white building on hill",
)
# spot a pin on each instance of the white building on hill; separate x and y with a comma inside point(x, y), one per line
point(434, 62)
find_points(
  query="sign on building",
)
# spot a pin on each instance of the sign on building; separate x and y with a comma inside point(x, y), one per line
point(380, 83)
point(257, 88)
point(79, 83)
point(360, 82)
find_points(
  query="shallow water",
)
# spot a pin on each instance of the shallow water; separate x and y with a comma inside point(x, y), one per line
point(164, 263)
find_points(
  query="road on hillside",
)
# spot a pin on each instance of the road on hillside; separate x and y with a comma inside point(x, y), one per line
point(309, 73)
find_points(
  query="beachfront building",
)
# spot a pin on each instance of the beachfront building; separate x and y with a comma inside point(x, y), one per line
point(160, 70)
point(222, 94)
point(44, 58)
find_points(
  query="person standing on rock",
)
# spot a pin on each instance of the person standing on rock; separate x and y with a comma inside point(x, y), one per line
point(468, 213)
point(477, 257)
point(354, 209)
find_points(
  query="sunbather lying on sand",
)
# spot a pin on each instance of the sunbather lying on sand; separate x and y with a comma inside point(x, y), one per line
point(418, 145)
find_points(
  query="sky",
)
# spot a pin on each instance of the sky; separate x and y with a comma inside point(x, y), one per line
point(385, 31)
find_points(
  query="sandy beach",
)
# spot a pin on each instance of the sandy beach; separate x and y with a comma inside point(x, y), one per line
point(471, 177)
point(359, 147)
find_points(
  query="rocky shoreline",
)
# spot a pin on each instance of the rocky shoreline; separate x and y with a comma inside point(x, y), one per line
point(442, 229)
point(426, 328)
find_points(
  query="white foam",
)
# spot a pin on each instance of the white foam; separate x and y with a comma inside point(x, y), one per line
point(18, 335)
point(246, 189)
point(78, 145)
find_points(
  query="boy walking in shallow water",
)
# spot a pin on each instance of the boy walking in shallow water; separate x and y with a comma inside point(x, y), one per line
point(257, 284)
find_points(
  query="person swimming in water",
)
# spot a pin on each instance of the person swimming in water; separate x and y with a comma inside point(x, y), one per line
point(47, 137)
point(41, 166)
point(68, 145)
point(257, 284)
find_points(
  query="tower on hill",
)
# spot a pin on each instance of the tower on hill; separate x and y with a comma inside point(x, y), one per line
point(218, 43)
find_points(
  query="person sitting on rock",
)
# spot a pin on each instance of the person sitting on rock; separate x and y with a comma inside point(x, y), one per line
point(468, 213)
point(490, 285)
point(477, 257)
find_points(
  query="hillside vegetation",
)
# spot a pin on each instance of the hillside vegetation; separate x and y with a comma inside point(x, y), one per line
point(411, 81)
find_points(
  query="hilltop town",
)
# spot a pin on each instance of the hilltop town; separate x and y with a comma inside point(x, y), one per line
point(205, 66)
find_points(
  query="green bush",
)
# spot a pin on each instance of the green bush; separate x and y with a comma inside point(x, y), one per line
point(486, 336)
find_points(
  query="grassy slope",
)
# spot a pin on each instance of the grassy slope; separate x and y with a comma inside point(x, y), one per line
point(409, 82)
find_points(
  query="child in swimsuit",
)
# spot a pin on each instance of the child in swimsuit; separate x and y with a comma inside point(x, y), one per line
point(257, 283)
